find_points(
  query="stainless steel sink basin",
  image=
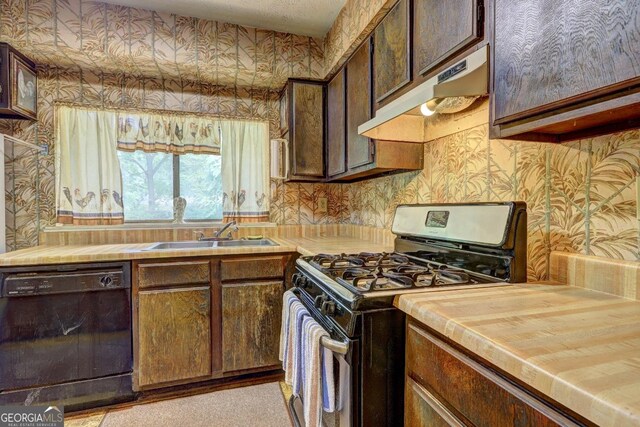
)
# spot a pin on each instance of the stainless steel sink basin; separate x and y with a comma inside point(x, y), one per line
point(259, 242)
point(209, 244)
point(180, 245)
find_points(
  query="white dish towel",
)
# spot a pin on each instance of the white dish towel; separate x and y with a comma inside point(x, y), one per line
point(317, 374)
point(290, 335)
point(307, 364)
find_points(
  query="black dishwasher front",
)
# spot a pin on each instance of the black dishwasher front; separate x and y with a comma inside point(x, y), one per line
point(65, 335)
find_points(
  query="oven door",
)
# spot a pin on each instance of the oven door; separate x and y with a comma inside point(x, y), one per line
point(345, 373)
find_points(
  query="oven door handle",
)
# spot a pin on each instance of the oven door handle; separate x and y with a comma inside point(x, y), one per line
point(335, 346)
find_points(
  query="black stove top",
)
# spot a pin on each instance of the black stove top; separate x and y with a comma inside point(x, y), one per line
point(370, 272)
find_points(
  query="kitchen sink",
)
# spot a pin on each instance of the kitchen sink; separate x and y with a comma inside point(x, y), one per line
point(209, 244)
point(258, 242)
point(180, 245)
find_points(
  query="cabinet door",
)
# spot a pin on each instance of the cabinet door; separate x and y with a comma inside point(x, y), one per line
point(443, 28)
point(391, 57)
point(423, 409)
point(475, 392)
point(251, 316)
point(307, 133)
point(336, 141)
point(568, 51)
point(359, 150)
point(173, 335)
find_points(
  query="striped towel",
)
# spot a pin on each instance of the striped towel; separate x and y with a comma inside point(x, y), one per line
point(290, 334)
point(299, 358)
point(317, 374)
point(287, 298)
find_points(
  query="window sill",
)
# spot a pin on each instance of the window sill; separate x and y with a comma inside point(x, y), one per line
point(150, 225)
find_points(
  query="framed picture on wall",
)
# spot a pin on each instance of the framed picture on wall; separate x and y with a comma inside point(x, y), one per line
point(24, 87)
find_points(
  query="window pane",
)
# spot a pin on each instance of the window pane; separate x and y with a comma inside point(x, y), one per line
point(147, 180)
point(201, 185)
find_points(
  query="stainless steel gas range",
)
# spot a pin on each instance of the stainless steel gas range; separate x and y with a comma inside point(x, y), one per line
point(437, 247)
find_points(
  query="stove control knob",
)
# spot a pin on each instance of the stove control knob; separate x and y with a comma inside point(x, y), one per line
point(328, 308)
point(319, 300)
point(106, 281)
point(299, 281)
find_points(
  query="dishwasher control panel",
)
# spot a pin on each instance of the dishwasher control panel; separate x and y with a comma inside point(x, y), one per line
point(24, 284)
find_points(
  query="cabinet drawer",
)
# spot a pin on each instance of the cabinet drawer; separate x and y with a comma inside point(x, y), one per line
point(174, 273)
point(478, 394)
point(423, 409)
point(252, 268)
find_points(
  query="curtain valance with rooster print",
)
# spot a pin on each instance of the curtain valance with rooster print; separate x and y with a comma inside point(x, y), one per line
point(168, 133)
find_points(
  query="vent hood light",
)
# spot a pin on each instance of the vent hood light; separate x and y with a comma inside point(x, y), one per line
point(426, 111)
point(430, 108)
point(452, 90)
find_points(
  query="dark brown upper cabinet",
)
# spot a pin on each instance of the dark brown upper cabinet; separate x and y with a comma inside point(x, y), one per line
point(336, 130)
point(305, 112)
point(563, 69)
point(364, 157)
point(359, 148)
point(442, 29)
point(18, 85)
point(392, 51)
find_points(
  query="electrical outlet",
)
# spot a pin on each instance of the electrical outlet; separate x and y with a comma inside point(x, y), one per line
point(322, 204)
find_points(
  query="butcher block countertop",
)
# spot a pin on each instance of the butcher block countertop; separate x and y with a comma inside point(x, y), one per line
point(577, 346)
point(63, 254)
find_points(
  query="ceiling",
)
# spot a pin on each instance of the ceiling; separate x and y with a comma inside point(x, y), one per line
point(303, 17)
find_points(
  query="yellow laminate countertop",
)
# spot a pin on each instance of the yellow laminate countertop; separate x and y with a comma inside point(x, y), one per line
point(576, 346)
point(63, 254)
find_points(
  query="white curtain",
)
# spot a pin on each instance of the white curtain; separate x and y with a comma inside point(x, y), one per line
point(88, 179)
point(245, 170)
point(167, 132)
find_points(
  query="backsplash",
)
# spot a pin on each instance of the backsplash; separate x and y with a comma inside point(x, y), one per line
point(580, 195)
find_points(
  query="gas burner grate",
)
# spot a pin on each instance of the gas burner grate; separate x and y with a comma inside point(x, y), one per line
point(324, 261)
point(405, 276)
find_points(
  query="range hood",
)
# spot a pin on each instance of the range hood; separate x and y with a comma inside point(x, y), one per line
point(451, 91)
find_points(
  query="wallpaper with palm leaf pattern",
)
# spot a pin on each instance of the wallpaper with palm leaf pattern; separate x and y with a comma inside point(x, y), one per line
point(580, 195)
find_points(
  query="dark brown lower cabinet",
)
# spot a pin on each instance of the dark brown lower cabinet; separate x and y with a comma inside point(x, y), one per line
point(175, 343)
point(445, 387)
point(424, 409)
point(251, 313)
point(203, 318)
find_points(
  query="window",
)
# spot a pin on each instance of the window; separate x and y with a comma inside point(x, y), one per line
point(150, 182)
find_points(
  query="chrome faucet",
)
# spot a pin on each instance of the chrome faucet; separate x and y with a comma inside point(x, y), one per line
point(231, 226)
